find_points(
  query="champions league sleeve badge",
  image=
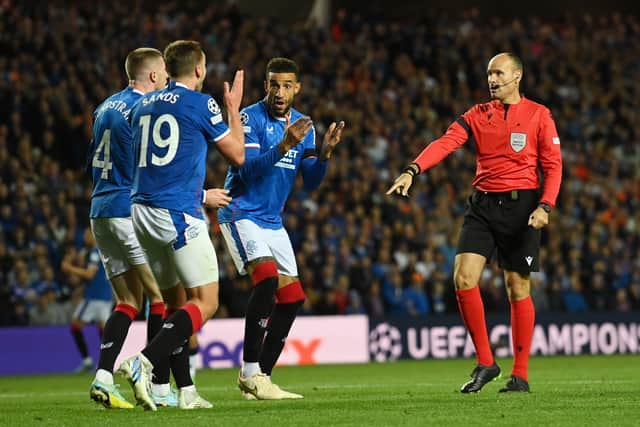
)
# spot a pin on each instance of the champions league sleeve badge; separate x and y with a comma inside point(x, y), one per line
point(212, 105)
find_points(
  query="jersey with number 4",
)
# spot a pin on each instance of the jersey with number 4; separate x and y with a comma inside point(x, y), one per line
point(171, 129)
point(111, 155)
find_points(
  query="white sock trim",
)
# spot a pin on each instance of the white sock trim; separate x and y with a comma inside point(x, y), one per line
point(191, 388)
point(160, 389)
point(249, 369)
point(104, 376)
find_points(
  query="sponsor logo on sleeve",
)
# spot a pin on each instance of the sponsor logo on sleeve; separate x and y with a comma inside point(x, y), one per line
point(555, 140)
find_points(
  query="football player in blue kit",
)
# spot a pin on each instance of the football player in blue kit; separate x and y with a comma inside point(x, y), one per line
point(171, 129)
point(111, 161)
point(279, 141)
point(97, 299)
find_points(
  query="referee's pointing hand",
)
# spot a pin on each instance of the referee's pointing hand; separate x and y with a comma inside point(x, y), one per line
point(401, 185)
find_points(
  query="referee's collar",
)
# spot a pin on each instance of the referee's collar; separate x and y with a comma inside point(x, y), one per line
point(507, 106)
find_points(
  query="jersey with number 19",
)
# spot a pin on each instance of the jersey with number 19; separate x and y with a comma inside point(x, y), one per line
point(111, 156)
point(171, 128)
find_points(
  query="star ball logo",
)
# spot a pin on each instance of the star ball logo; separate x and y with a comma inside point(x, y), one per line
point(212, 105)
point(385, 343)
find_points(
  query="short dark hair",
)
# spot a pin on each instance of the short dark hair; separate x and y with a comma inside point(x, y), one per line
point(517, 62)
point(181, 57)
point(137, 58)
point(283, 65)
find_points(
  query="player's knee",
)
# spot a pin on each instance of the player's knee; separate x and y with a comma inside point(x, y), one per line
point(264, 271)
point(265, 280)
point(209, 308)
point(517, 286)
point(128, 299)
point(208, 303)
point(291, 293)
point(463, 279)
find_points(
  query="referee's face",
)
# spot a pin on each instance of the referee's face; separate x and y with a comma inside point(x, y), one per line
point(281, 90)
point(502, 77)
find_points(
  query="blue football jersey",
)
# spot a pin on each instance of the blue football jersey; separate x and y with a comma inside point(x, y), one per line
point(111, 156)
point(171, 128)
point(262, 199)
point(99, 287)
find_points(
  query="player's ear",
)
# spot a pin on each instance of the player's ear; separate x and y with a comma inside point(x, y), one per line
point(296, 88)
point(266, 87)
point(153, 76)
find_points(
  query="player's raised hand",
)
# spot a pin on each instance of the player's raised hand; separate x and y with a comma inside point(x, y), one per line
point(331, 139)
point(295, 133)
point(217, 198)
point(233, 94)
point(401, 185)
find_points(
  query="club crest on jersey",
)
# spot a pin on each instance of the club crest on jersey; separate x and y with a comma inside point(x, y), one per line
point(251, 247)
point(518, 141)
point(192, 233)
point(212, 105)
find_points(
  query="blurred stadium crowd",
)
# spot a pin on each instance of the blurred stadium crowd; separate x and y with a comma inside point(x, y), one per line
point(398, 85)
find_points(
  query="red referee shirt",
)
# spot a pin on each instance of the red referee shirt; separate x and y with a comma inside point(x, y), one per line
point(510, 142)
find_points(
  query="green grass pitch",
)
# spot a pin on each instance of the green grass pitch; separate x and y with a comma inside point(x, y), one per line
point(566, 391)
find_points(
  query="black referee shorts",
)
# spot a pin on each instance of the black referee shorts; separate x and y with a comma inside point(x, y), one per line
point(499, 221)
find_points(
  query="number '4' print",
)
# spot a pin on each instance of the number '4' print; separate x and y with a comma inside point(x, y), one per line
point(105, 146)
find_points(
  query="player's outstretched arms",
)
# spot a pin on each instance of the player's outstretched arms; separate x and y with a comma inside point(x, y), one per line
point(217, 198)
point(331, 140)
point(232, 145)
point(295, 133)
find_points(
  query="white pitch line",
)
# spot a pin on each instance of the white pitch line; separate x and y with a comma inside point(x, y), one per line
point(318, 387)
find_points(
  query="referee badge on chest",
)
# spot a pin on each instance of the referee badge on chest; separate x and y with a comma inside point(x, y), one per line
point(518, 141)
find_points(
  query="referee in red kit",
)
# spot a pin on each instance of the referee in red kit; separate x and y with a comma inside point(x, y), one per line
point(512, 136)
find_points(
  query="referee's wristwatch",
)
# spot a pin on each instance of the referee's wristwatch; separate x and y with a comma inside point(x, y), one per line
point(545, 207)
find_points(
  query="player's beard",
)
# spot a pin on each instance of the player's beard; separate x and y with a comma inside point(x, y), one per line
point(278, 111)
point(281, 113)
